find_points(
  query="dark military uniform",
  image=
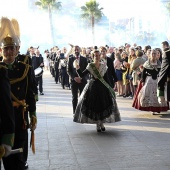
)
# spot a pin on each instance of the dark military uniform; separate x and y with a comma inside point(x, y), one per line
point(164, 75)
point(52, 60)
point(63, 71)
point(23, 99)
point(56, 70)
point(35, 89)
point(6, 110)
point(29, 61)
point(36, 62)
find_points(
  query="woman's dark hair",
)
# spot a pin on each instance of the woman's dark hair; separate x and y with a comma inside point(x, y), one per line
point(160, 51)
point(147, 48)
point(165, 43)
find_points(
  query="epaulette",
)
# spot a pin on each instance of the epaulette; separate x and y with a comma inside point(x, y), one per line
point(24, 59)
point(2, 66)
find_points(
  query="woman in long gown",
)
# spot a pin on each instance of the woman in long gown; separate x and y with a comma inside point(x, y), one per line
point(146, 95)
point(97, 102)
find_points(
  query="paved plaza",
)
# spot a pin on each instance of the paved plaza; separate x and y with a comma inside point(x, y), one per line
point(140, 141)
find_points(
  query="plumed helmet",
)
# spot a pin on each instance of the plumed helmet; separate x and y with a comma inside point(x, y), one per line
point(16, 28)
point(8, 36)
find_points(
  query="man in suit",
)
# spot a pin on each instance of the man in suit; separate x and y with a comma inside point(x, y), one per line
point(109, 62)
point(111, 53)
point(164, 74)
point(77, 83)
point(38, 61)
point(7, 119)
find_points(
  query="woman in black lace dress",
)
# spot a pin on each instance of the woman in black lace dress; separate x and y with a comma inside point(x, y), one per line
point(97, 102)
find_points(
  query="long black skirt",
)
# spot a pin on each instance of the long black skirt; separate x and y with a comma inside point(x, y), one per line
point(96, 103)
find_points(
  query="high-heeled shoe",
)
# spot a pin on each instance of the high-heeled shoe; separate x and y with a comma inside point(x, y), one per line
point(98, 127)
point(102, 127)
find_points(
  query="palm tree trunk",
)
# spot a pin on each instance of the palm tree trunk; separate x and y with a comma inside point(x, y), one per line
point(51, 25)
point(93, 35)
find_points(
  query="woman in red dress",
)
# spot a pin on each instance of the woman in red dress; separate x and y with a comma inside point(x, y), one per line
point(146, 95)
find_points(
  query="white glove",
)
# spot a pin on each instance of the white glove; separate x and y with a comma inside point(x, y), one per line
point(8, 149)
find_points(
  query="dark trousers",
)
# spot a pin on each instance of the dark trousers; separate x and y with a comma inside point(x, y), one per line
point(39, 81)
point(16, 161)
point(25, 149)
point(75, 89)
point(53, 71)
point(56, 77)
point(64, 78)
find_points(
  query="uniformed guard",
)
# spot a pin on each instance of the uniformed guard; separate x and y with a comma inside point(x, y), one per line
point(63, 71)
point(164, 75)
point(7, 127)
point(29, 61)
point(22, 92)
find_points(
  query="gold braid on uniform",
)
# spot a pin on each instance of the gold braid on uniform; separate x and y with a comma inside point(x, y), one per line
point(17, 102)
point(22, 103)
point(1, 66)
point(24, 74)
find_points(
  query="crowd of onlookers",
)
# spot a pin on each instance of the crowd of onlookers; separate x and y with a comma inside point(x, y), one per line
point(128, 66)
point(133, 65)
point(127, 60)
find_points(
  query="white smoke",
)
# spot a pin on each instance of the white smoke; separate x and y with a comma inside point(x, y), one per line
point(138, 17)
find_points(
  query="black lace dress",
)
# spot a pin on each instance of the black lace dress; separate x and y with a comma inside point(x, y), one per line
point(96, 102)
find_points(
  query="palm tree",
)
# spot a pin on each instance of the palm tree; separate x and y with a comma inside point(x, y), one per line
point(49, 5)
point(167, 5)
point(167, 22)
point(92, 13)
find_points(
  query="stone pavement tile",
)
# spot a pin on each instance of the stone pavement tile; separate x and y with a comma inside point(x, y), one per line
point(86, 149)
point(63, 156)
point(135, 163)
point(60, 160)
point(38, 164)
point(64, 167)
point(115, 148)
point(159, 147)
point(93, 166)
point(39, 155)
point(143, 168)
point(81, 141)
point(164, 156)
point(92, 160)
point(60, 149)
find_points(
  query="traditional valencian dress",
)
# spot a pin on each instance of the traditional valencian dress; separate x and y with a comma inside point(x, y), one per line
point(97, 101)
point(146, 96)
